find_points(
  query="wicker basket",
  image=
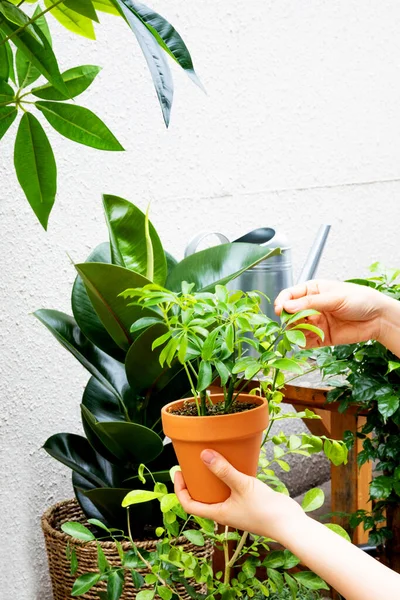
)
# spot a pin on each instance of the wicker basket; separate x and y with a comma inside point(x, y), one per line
point(56, 544)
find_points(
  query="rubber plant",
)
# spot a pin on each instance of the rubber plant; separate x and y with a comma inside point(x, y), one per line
point(121, 404)
point(27, 55)
point(367, 375)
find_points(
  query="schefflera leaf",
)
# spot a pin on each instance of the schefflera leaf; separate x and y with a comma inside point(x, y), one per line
point(35, 166)
point(126, 226)
point(77, 80)
point(71, 20)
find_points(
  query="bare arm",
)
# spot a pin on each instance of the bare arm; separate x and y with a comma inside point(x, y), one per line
point(253, 506)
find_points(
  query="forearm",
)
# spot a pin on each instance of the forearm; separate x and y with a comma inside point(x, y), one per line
point(389, 334)
point(349, 570)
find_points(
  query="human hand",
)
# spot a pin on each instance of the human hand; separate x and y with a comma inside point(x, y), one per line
point(349, 312)
point(252, 505)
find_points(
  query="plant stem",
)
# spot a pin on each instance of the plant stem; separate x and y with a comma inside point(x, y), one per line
point(301, 374)
point(227, 570)
point(31, 20)
point(229, 563)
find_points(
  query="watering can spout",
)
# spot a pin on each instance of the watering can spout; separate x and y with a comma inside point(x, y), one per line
point(313, 258)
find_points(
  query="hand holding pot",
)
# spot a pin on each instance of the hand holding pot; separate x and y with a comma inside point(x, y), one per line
point(349, 312)
point(252, 505)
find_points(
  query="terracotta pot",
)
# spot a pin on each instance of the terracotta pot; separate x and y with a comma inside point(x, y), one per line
point(237, 437)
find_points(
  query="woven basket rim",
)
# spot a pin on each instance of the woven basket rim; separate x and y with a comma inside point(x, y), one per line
point(51, 531)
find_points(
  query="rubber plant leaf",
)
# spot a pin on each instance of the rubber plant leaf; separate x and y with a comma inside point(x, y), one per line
point(84, 313)
point(217, 265)
point(104, 283)
point(126, 226)
point(35, 167)
point(155, 58)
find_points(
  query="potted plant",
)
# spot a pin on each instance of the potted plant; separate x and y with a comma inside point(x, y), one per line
point(210, 334)
point(122, 401)
point(367, 375)
point(252, 565)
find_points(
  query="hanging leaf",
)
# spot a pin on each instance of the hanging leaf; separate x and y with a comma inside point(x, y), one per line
point(79, 124)
point(14, 14)
point(4, 59)
point(155, 59)
point(126, 226)
point(77, 81)
point(35, 167)
point(83, 7)
point(7, 118)
point(84, 583)
point(165, 34)
point(26, 71)
point(71, 20)
point(106, 6)
point(37, 49)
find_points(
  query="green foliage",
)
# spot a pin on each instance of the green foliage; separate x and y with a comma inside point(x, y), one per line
point(26, 55)
point(366, 375)
point(210, 333)
point(122, 401)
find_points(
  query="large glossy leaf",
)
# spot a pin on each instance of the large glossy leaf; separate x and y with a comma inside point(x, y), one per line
point(84, 313)
point(77, 81)
point(102, 403)
point(81, 485)
point(127, 442)
point(75, 452)
point(165, 34)
point(126, 226)
point(83, 7)
point(37, 49)
point(72, 20)
point(104, 283)
point(155, 57)
point(7, 118)
point(217, 265)
point(105, 369)
point(35, 166)
point(79, 124)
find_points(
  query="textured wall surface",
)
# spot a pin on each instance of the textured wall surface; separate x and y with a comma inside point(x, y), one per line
point(300, 125)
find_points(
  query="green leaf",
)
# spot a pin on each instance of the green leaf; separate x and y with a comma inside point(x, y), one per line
point(302, 314)
point(4, 58)
point(84, 583)
point(336, 452)
point(77, 80)
point(106, 6)
point(144, 323)
point(139, 496)
point(205, 376)
point(393, 365)
point(292, 585)
point(102, 562)
point(310, 580)
point(7, 118)
point(99, 524)
point(138, 579)
point(104, 284)
point(35, 167)
point(86, 316)
point(71, 20)
point(37, 48)
point(6, 92)
point(194, 536)
point(339, 530)
point(79, 124)
point(164, 592)
point(167, 37)
point(388, 405)
point(223, 371)
point(309, 327)
point(26, 71)
point(83, 7)
point(296, 337)
point(168, 502)
point(74, 562)
point(217, 265)
point(77, 531)
point(115, 585)
point(155, 58)
point(145, 595)
point(287, 364)
point(14, 14)
point(381, 487)
point(313, 499)
point(126, 226)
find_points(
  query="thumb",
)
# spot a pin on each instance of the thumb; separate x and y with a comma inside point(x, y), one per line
point(224, 470)
point(320, 302)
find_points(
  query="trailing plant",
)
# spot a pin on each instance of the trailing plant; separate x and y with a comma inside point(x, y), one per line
point(27, 54)
point(253, 567)
point(122, 401)
point(370, 380)
point(210, 333)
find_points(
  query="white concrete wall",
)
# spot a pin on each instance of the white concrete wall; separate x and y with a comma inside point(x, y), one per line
point(301, 125)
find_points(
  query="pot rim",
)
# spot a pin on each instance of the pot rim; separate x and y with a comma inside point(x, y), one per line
point(249, 398)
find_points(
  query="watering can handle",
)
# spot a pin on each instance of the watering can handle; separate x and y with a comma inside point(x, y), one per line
point(192, 246)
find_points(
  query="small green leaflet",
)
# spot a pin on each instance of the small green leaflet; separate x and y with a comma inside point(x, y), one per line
point(71, 20)
point(7, 118)
point(77, 80)
point(79, 124)
point(78, 531)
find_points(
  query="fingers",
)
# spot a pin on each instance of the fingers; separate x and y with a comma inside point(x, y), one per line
point(223, 470)
point(192, 507)
point(297, 291)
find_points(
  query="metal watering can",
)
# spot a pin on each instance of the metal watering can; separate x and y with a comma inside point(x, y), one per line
point(273, 275)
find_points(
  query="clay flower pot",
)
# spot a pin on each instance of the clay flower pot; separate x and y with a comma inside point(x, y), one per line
point(236, 436)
